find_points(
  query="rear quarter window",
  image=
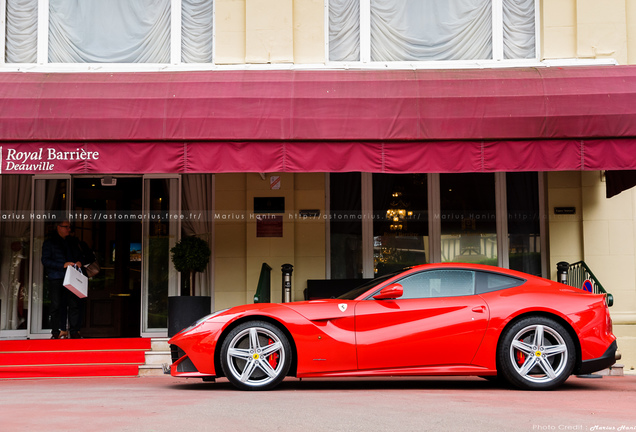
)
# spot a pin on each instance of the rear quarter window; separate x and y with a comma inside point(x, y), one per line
point(489, 282)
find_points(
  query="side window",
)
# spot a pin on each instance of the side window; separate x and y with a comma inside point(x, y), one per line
point(439, 283)
point(488, 282)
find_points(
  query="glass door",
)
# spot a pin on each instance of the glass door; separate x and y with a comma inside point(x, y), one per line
point(15, 229)
point(161, 228)
point(106, 218)
point(51, 203)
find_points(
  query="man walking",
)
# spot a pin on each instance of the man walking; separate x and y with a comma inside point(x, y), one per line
point(59, 251)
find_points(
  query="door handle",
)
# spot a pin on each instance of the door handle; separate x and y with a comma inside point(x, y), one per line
point(479, 309)
point(120, 295)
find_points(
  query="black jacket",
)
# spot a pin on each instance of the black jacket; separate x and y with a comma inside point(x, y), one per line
point(57, 250)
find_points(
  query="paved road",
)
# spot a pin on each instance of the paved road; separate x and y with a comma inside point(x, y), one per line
point(425, 404)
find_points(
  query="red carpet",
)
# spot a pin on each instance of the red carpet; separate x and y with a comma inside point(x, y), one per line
point(72, 358)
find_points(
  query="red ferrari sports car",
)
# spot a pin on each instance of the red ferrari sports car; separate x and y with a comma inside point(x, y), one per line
point(433, 319)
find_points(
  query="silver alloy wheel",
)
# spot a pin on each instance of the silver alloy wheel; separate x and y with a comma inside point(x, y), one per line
point(539, 353)
point(256, 356)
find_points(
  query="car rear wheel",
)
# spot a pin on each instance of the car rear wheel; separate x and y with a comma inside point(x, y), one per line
point(256, 355)
point(536, 353)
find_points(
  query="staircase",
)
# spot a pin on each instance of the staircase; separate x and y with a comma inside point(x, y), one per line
point(156, 358)
point(68, 358)
point(580, 276)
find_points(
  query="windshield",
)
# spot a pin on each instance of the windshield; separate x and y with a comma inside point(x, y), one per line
point(357, 292)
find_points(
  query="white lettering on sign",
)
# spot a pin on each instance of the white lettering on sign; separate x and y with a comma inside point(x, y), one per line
point(72, 155)
point(41, 159)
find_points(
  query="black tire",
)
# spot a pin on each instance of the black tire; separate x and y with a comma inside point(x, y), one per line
point(536, 353)
point(256, 355)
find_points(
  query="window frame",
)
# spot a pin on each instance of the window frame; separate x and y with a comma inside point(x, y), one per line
point(43, 44)
point(479, 282)
point(498, 43)
point(428, 271)
point(434, 221)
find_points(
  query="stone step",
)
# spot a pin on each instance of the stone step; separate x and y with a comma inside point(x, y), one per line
point(156, 358)
point(151, 370)
point(614, 370)
point(160, 344)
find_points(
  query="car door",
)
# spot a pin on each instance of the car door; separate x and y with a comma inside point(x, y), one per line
point(438, 321)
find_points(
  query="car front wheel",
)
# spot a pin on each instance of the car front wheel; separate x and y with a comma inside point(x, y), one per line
point(256, 355)
point(536, 353)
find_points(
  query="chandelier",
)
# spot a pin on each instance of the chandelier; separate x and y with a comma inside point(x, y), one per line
point(397, 213)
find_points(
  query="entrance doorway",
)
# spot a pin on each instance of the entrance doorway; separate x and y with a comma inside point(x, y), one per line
point(130, 222)
point(103, 215)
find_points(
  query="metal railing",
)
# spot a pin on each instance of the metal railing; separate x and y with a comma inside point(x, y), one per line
point(580, 276)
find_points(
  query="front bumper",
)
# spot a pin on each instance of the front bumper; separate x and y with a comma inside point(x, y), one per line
point(603, 362)
point(182, 366)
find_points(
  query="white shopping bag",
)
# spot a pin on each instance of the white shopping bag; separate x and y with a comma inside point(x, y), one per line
point(76, 282)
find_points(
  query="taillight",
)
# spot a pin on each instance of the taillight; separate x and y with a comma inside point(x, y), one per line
point(608, 319)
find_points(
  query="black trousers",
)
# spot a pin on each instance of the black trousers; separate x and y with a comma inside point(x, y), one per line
point(64, 305)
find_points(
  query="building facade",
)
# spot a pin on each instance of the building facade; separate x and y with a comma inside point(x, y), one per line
point(347, 138)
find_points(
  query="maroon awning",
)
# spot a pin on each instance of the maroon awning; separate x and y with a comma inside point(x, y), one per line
point(529, 119)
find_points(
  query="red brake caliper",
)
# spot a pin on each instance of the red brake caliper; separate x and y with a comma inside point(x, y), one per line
point(521, 357)
point(273, 359)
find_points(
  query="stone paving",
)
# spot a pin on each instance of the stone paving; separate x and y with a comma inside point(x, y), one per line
point(164, 403)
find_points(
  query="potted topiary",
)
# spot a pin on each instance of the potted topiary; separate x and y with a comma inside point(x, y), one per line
point(189, 256)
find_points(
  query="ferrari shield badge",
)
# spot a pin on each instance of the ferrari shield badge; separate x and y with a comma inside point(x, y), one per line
point(342, 307)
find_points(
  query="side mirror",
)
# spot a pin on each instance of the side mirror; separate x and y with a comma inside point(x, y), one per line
point(392, 291)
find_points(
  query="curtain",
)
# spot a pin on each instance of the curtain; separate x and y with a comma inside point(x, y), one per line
point(109, 31)
point(415, 30)
point(14, 244)
point(22, 26)
point(198, 190)
point(519, 30)
point(196, 32)
point(344, 30)
point(113, 31)
point(419, 30)
point(619, 181)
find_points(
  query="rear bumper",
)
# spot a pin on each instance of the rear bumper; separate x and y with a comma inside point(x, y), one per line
point(603, 362)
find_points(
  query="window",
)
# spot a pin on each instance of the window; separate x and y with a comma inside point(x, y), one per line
point(431, 30)
point(15, 197)
point(524, 227)
point(117, 31)
point(484, 218)
point(468, 218)
point(438, 283)
point(400, 221)
point(488, 282)
point(345, 225)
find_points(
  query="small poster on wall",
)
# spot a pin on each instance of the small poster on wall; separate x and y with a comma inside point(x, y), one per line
point(269, 226)
point(274, 182)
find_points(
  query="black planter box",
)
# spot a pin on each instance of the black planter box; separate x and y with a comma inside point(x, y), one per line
point(183, 311)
